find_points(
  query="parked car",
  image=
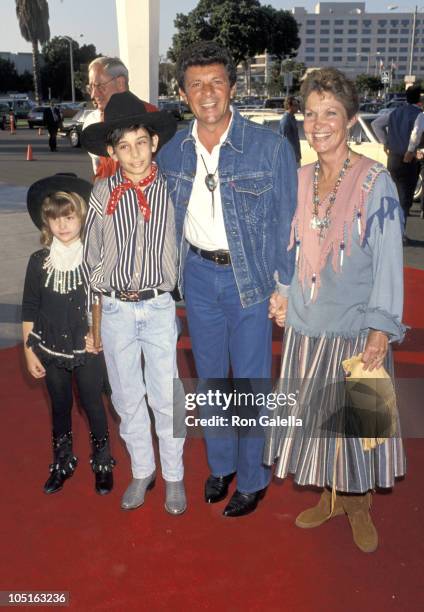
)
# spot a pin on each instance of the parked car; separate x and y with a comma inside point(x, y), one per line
point(70, 109)
point(35, 116)
point(274, 103)
point(4, 115)
point(175, 107)
point(72, 127)
point(362, 137)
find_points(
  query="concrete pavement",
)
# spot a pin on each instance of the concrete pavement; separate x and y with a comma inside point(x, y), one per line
point(19, 238)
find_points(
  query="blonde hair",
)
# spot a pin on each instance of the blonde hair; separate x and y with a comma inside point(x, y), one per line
point(60, 204)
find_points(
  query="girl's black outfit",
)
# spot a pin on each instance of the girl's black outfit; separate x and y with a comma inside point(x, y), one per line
point(55, 302)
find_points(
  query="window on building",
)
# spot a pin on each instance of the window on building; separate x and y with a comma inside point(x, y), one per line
point(352, 31)
point(325, 31)
point(337, 50)
point(403, 41)
point(402, 68)
point(351, 50)
point(393, 41)
point(403, 50)
point(352, 58)
point(336, 58)
point(310, 59)
point(404, 31)
point(381, 41)
point(394, 22)
point(323, 59)
point(338, 41)
point(310, 22)
point(310, 41)
point(338, 31)
point(393, 31)
point(403, 59)
point(324, 41)
point(392, 49)
point(324, 50)
point(382, 22)
point(366, 41)
point(404, 22)
point(310, 31)
point(351, 40)
point(366, 31)
point(310, 50)
point(365, 50)
point(325, 22)
point(338, 22)
point(381, 50)
point(352, 22)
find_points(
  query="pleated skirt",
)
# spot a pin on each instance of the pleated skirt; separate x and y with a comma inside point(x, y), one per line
point(311, 371)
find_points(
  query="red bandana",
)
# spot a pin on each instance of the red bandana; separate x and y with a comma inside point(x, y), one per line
point(126, 184)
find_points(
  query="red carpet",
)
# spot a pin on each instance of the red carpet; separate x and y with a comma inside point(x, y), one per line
point(147, 560)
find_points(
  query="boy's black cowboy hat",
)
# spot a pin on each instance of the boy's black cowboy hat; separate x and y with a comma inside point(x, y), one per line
point(124, 110)
point(38, 191)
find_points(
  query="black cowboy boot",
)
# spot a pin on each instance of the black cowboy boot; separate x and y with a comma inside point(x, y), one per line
point(102, 464)
point(64, 463)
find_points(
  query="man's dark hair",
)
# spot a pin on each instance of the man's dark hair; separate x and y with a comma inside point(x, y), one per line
point(413, 94)
point(115, 135)
point(205, 53)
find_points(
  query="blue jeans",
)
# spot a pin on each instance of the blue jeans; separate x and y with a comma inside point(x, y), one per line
point(148, 328)
point(223, 334)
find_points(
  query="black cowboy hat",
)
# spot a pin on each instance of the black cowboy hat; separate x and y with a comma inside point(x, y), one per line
point(123, 110)
point(41, 189)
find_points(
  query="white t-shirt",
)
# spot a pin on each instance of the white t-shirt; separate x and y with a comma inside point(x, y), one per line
point(93, 117)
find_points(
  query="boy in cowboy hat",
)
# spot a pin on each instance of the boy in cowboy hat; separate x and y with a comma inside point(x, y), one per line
point(130, 253)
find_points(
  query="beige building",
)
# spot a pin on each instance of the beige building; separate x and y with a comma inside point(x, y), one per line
point(344, 35)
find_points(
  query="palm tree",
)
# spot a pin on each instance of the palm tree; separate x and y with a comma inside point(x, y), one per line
point(33, 17)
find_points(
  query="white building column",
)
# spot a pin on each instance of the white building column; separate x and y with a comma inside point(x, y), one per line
point(138, 34)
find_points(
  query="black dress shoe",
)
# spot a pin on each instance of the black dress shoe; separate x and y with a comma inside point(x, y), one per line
point(216, 488)
point(243, 503)
point(104, 482)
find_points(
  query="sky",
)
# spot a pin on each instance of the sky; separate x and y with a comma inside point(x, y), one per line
point(76, 17)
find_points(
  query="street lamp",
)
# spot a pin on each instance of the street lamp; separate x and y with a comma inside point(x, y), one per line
point(393, 7)
point(71, 62)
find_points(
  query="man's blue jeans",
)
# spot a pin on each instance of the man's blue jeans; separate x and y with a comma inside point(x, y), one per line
point(224, 334)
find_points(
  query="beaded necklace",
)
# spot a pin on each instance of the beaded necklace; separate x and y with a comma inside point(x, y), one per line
point(322, 225)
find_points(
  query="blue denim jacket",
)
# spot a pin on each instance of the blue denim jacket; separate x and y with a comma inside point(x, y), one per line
point(258, 182)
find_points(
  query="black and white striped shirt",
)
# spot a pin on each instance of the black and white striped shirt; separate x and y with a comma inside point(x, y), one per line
point(124, 252)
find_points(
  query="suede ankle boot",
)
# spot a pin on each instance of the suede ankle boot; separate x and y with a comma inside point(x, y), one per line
point(357, 508)
point(317, 515)
point(64, 463)
point(102, 464)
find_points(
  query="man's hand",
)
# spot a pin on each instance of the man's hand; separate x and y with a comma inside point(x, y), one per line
point(34, 365)
point(375, 350)
point(408, 157)
point(277, 308)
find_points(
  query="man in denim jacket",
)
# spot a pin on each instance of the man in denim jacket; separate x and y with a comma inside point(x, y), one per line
point(233, 184)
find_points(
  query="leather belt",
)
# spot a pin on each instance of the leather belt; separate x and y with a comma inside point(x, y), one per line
point(221, 258)
point(134, 296)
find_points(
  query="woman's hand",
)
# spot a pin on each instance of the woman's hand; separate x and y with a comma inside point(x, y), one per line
point(375, 350)
point(34, 365)
point(89, 344)
point(278, 308)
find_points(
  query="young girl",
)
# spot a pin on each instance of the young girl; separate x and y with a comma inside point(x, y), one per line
point(55, 324)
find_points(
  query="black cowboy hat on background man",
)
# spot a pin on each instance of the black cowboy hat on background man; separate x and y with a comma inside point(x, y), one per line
point(124, 110)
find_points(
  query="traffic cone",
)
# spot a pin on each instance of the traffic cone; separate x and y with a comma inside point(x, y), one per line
point(29, 153)
point(12, 124)
point(40, 131)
